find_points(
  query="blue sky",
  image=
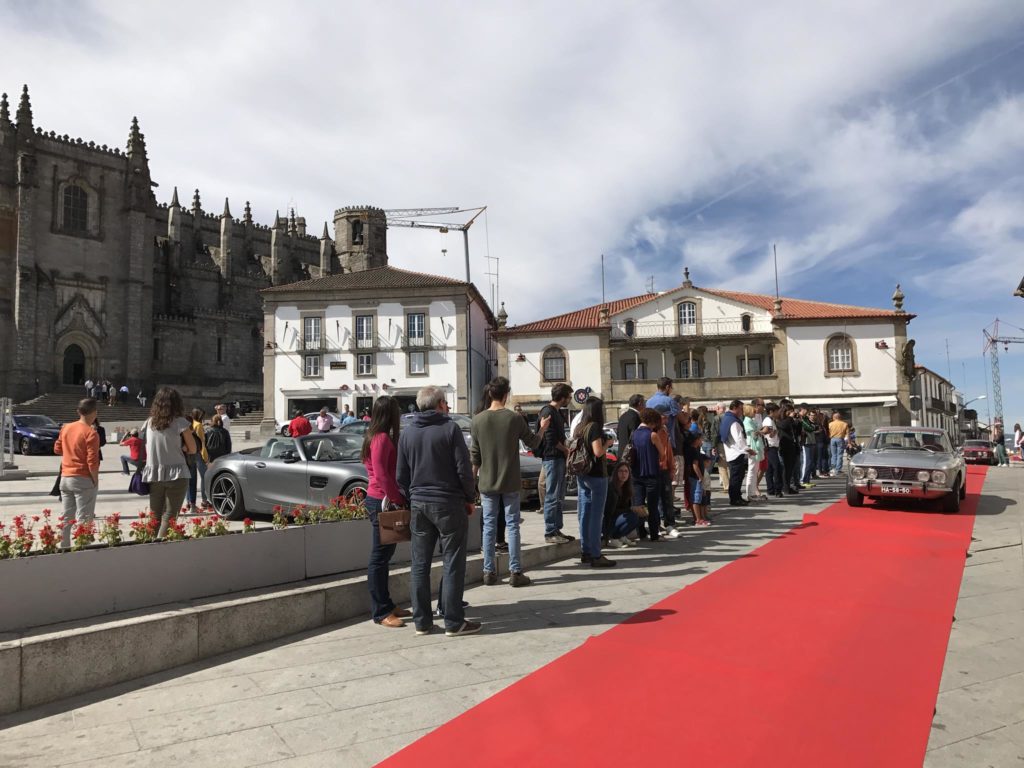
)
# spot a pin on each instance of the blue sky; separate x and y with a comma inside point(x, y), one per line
point(873, 142)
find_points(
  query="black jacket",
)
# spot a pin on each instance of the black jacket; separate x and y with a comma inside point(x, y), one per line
point(553, 437)
point(628, 422)
point(433, 460)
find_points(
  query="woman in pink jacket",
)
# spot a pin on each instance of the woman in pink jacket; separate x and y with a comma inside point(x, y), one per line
point(380, 456)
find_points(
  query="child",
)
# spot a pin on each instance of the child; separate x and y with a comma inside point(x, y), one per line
point(696, 470)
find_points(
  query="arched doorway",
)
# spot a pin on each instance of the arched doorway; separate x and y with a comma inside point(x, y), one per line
point(74, 365)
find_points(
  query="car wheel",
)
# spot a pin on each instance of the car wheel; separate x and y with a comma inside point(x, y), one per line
point(25, 446)
point(355, 493)
point(285, 432)
point(950, 504)
point(854, 497)
point(226, 491)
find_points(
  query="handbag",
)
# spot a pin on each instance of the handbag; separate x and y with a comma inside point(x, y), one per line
point(55, 491)
point(394, 523)
point(137, 485)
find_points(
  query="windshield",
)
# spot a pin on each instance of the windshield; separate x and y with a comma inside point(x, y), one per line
point(977, 444)
point(34, 421)
point(333, 447)
point(911, 441)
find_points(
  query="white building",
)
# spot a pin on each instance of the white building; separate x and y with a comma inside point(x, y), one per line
point(346, 339)
point(718, 345)
point(935, 402)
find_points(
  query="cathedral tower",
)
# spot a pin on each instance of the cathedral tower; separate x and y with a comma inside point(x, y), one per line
point(361, 240)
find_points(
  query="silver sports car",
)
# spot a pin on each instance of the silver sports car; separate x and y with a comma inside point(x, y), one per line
point(908, 463)
point(287, 471)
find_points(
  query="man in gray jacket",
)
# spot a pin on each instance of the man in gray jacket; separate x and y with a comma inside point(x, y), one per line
point(435, 474)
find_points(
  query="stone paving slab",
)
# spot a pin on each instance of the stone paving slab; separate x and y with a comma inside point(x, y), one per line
point(980, 709)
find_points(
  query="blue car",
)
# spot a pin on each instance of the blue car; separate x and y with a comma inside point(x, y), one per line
point(34, 433)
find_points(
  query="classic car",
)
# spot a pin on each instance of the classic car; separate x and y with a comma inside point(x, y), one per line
point(979, 452)
point(287, 471)
point(907, 463)
point(33, 433)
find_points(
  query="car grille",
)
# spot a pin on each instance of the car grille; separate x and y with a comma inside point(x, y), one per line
point(897, 473)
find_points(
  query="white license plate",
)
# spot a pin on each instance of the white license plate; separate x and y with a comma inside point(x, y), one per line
point(897, 489)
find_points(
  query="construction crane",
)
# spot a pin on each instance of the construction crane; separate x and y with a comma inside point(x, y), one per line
point(993, 338)
point(408, 213)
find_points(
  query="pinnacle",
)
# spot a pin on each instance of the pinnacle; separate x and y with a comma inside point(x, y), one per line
point(325, 236)
point(196, 205)
point(174, 199)
point(5, 113)
point(227, 211)
point(24, 109)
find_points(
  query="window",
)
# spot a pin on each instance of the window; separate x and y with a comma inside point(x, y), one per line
point(357, 232)
point(687, 318)
point(686, 373)
point(416, 328)
point(417, 363)
point(311, 332)
point(364, 331)
point(76, 209)
point(747, 322)
point(630, 327)
point(839, 354)
point(156, 349)
point(364, 365)
point(554, 364)
point(634, 371)
point(311, 366)
point(220, 349)
point(752, 366)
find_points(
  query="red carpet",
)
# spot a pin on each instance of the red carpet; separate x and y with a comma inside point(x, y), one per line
point(822, 648)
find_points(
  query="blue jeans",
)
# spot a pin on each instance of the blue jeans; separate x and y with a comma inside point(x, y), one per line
point(136, 463)
point(838, 446)
point(377, 570)
point(492, 503)
point(821, 447)
point(554, 494)
point(647, 493)
point(808, 462)
point(432, 521)
point(593, 494)
point(624, 524)
point(196, 479)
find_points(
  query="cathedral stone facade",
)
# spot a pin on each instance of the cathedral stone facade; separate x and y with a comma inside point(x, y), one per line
point(98, 279)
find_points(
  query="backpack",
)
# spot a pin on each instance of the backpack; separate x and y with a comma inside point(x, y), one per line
point(579, 460)
point(215, 443)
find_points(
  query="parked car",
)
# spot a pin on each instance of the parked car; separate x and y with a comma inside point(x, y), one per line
point(907, 463)
point(287, 471)
point(979, 452)
point(282, 426)
point(33, 433)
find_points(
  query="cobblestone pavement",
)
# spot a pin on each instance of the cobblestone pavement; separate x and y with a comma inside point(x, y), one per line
point(355, 693)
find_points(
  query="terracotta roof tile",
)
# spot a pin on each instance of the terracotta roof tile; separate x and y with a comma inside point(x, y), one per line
point(793, 309)
point(582, 319)
point(380, 277)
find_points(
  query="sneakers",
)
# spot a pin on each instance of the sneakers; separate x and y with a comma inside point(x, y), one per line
point(601, 562)
point(630, 542)
point(466, 628)
point(429, 630)
point(806, 485)
point(585, 559)
point(501, 546)
point(672, 533)
point(519, 579)
point(490, 578)
point(616, 543)
point(558, 538)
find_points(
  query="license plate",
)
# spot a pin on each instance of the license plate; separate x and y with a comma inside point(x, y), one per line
point(897, 489)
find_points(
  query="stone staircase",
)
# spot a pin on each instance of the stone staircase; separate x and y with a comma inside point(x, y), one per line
point(61, 405)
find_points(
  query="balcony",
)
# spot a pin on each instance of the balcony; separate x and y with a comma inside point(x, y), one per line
point(313, 344)
point(420, 344)
point(371, 344)
point(704, 389)
point(731, 328)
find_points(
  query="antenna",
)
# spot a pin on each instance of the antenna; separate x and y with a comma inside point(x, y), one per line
point(602, 279)
point(650, 284)
point(949, 366)
point(775, 256)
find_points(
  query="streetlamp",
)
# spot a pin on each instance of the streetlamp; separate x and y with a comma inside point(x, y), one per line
point(963, 408)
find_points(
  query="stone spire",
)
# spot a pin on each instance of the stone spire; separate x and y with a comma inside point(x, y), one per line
point(136, 141)
point(24, 117)
point(897, 300)
point(196, 204)
point(227, 211)
point(292, 229)
point(174, 199)
point(325, 235)
point(502, 316)
point(248, 213)
point(277, 219)
point(5, 112)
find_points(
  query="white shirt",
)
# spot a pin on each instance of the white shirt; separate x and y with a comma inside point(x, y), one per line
point(736, 446)
point(575, 423)
point(773, 440)
point(225, 421)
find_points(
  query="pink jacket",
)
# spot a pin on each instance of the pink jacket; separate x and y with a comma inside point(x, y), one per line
point(380, 468)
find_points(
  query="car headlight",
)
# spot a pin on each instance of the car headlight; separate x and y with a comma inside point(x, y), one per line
point(872, 473)
point(924, 476)
point(938, 477)
point(857, 473)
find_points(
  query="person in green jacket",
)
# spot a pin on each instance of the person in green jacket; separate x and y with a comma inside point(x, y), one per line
point(496, 432)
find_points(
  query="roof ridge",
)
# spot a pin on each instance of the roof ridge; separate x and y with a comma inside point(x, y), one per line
point(644, 296)
point(720, 291)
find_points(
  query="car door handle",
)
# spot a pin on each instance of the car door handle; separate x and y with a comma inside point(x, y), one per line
point(317, 482)
point(261, 465)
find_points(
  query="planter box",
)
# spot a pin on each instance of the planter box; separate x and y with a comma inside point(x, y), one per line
point(50, 589)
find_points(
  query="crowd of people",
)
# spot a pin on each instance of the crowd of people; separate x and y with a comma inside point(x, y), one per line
point(647, 482)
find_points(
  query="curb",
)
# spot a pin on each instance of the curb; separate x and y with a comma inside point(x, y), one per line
point(35, 667)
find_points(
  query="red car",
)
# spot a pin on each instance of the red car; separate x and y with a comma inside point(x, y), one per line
point(980, 452)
